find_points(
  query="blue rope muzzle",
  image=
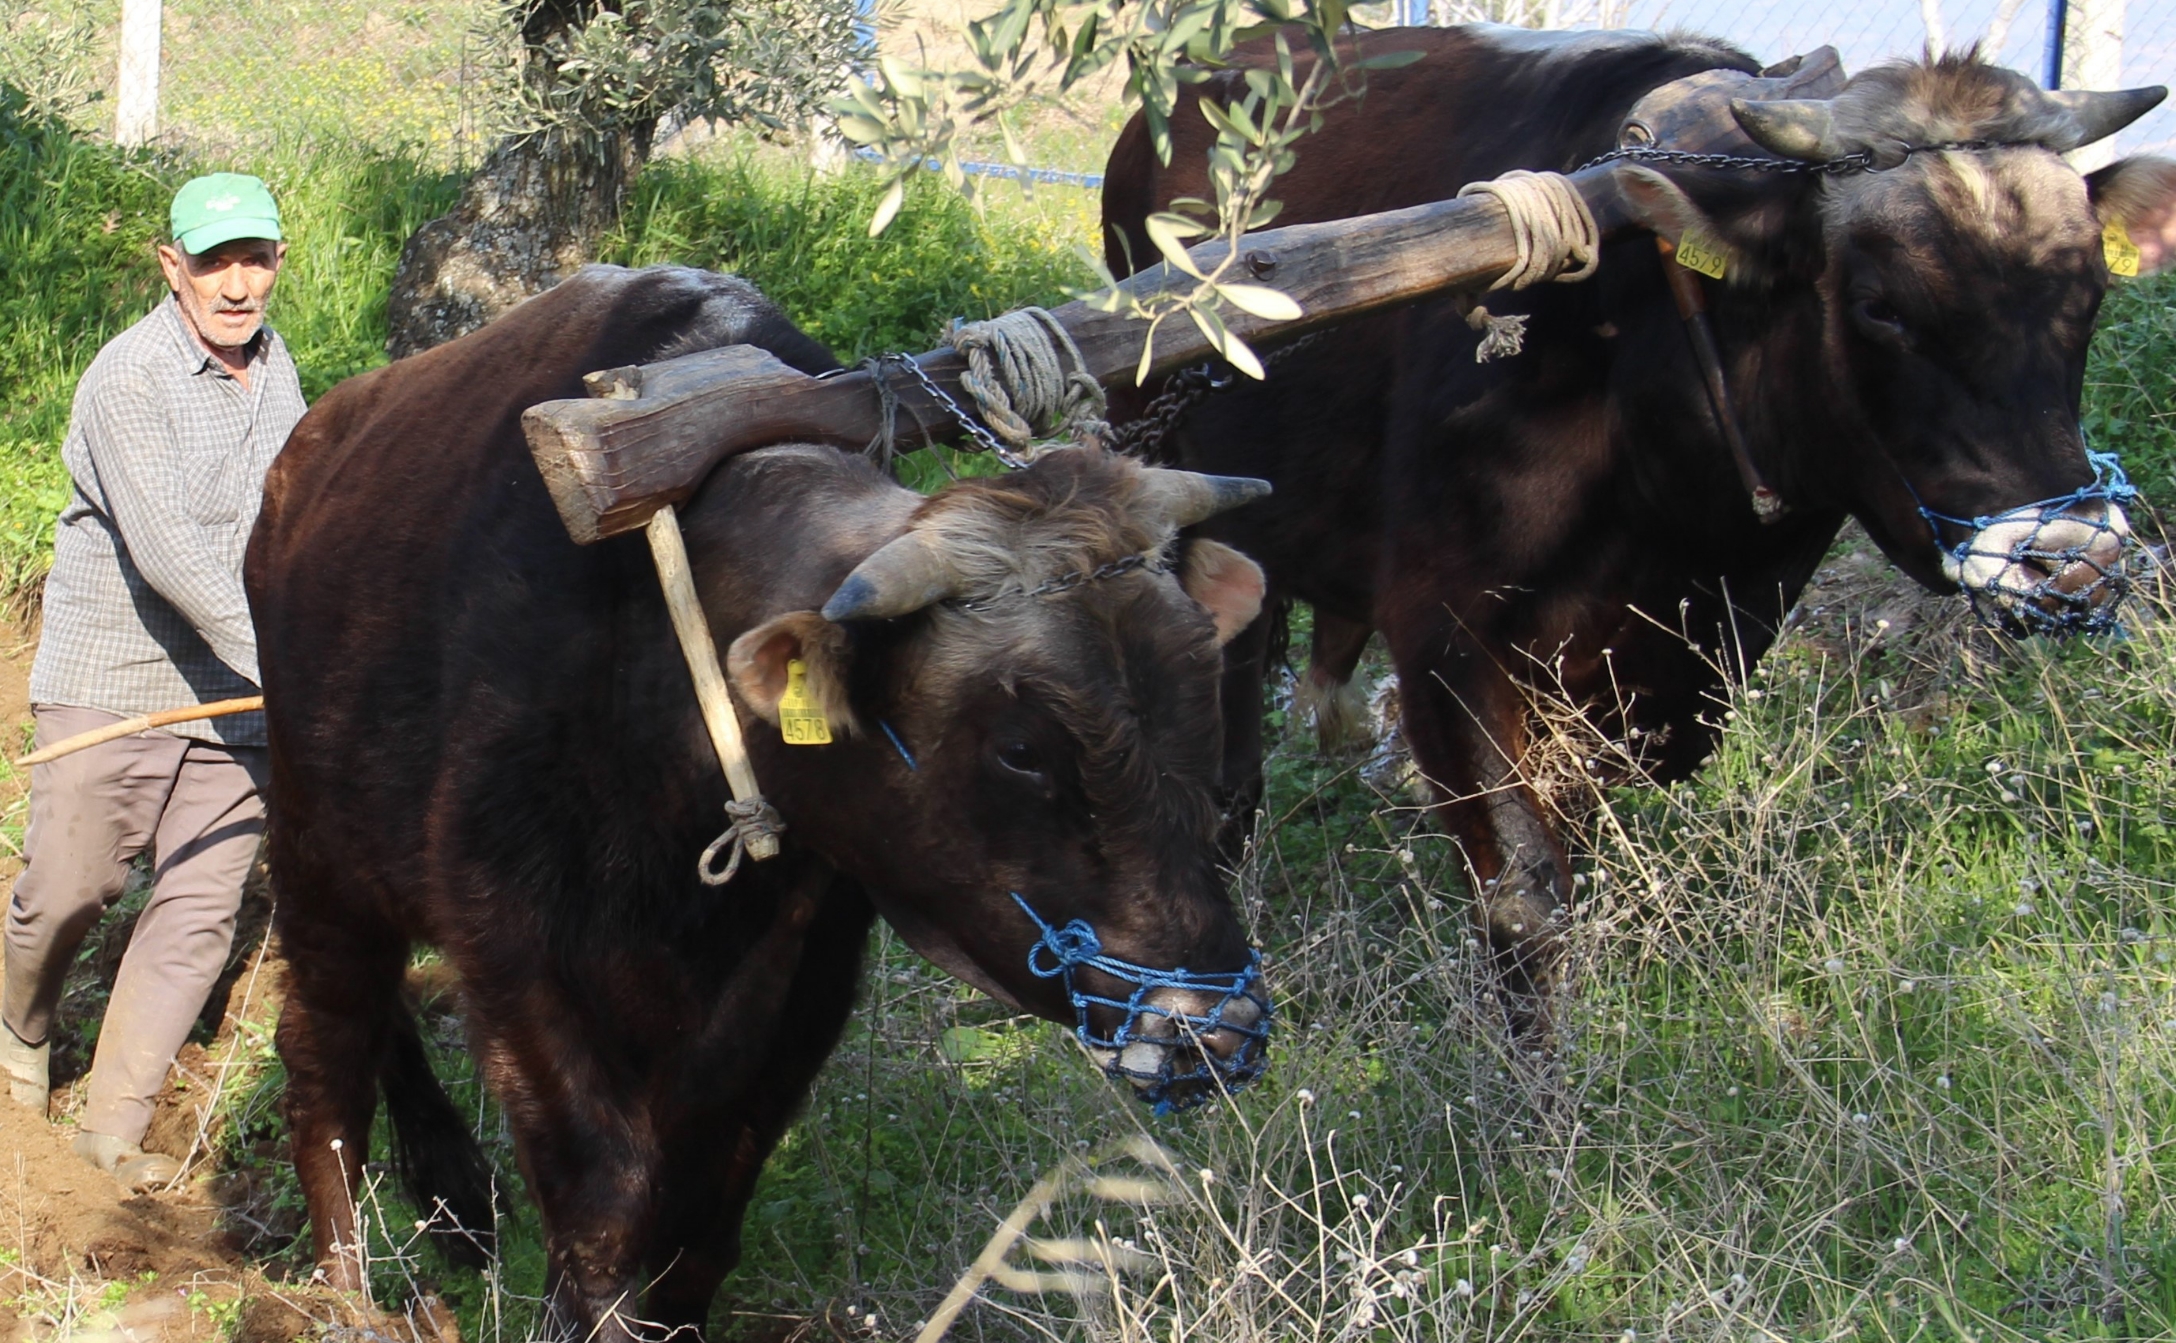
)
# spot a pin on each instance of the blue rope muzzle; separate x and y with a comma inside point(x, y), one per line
point(2041, 569)
point(1164, 1051)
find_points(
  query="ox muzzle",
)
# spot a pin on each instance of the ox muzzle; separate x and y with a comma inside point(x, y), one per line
point(1181, 1037)
point(2057, 567)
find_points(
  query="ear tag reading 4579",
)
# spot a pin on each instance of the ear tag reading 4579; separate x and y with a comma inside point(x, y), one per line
point(1697, 251)
point(800, 721)
point(2120, 251)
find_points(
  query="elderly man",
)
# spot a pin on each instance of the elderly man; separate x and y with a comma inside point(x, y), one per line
point(173, 427)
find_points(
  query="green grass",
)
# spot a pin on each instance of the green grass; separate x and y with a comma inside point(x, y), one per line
point(802, 238)
point(1875, 1032)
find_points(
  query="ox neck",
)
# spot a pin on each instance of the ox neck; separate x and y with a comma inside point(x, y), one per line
point(1688, 290)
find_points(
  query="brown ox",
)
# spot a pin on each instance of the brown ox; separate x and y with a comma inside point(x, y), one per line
point(484, 739)
point(1905, 346)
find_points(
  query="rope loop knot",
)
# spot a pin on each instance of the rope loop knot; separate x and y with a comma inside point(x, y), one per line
point(745, 821)
point(1074, 944)
point(1017, 372)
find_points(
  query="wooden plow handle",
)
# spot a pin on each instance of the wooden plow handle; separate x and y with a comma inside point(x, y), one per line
point(651, 433)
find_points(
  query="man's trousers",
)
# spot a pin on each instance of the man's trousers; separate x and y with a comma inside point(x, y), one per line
point(198, 808)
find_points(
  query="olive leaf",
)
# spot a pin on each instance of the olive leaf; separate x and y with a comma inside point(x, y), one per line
point(1272, 305)
point(908, 116)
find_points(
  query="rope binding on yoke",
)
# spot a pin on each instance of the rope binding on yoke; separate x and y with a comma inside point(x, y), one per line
point(1017, 372)
point(1556, 239)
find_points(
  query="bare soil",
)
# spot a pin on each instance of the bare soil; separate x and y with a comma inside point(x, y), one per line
point(84, 1260)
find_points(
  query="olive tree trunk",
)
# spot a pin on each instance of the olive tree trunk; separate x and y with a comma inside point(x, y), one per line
point(529, 217)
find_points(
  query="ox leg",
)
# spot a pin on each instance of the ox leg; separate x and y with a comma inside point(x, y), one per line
point(1239, 781)
point(1470, 742)
point(343, 1000)
point(704, 1225)
point(1326, 695)
point(587, 1153)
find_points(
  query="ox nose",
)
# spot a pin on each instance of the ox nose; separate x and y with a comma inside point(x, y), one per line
point(1185, 1047)
point(2043, 570)
point(1181, 1037)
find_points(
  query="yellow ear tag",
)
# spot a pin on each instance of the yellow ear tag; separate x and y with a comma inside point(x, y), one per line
point(800, 721)
point(2117, 247)
point(1697, 251)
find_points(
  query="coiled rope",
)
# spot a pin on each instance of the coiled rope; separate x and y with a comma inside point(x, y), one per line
point(1016, 371)
point(1556, 237)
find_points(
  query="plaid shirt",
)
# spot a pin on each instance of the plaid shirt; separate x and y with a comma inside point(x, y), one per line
point(144, 608)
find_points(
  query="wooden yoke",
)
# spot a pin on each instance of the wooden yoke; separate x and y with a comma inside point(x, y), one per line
point(651, 433)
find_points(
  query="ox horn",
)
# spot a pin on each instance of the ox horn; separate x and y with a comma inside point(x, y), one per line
point(905, 574)
point(1184, 498)
point(2100, 115)
point(1796, 128)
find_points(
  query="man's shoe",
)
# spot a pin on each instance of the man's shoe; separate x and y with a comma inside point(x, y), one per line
point(135, 1168)
point(29, 1070)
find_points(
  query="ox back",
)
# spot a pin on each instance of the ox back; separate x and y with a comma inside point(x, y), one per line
point(1570, 517)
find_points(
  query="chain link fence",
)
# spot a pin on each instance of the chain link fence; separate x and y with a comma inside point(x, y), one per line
point(2106, 43)
point(421, 72)
point(393, 72)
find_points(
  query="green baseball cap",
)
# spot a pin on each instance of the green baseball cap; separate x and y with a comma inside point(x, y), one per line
point(220, 208)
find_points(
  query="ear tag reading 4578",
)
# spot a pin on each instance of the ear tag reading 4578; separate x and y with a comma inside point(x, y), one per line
point(1698, 251)
point(800, 721)
point(2120, 251)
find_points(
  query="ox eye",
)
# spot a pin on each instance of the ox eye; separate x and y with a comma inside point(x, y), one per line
point(1022, 759)
point(1877, 316)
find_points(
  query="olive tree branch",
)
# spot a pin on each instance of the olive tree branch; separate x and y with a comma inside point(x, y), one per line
point(910, 116)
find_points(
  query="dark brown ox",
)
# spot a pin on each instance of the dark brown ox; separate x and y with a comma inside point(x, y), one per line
point(484, 739)
point(1571, 517)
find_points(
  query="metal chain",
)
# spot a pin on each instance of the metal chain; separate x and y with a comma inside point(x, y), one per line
point(1185, 389)
point(1182, 391)
point(1862, 161)
point(968, 424)
point(1151, 561)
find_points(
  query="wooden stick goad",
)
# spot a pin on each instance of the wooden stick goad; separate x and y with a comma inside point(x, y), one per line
point(651, 433)
point(129, 727)
point(669, 552)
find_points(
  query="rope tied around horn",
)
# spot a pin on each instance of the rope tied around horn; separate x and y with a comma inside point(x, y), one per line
point(1017, 373)
point(1556, 240)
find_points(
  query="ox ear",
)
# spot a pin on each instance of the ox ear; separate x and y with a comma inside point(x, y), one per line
point(1226, 583)
point(2137, 195)
point(757, 666)
point(1662, 206)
